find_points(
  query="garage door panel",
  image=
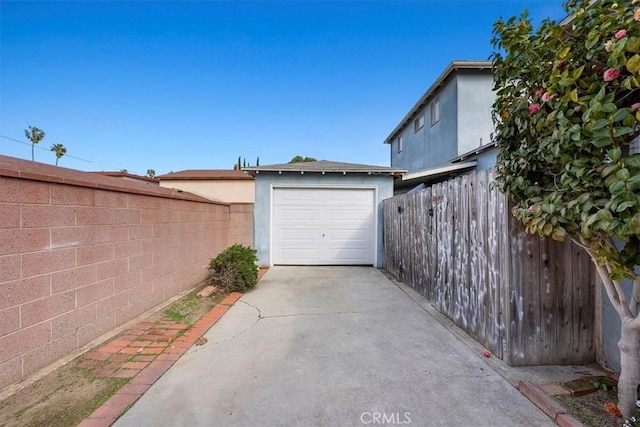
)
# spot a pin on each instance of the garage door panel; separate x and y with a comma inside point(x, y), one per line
point(295, 214)
point(351, 196)
point(299, 234)
point(360, 235)
point(298, 196)
point(348, 214)
point(297, 254)
point(323, 226)
point(348, 255)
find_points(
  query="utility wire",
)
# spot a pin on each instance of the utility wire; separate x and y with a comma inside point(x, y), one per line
point(44, 149)
point(66, 155)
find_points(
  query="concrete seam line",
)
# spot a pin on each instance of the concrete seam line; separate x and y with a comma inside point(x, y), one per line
point(213, 343)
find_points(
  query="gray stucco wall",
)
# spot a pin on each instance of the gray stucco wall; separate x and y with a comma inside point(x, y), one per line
point(433, 145)
point(475, 100)
point(262, 207)
point(486, 159)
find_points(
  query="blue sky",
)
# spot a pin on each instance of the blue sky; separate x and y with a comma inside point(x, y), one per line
point(195, 84)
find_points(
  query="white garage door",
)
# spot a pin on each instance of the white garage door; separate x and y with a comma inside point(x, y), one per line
point(323, 226)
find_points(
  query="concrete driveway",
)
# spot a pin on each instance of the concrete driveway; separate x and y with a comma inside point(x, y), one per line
point(344, 346)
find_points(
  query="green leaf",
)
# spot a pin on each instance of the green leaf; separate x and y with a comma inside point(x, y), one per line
point(624, 205)
point(629, 121)
point(614, 154)
point(633, 44)
point(574, 95)
point(616, 188)
point(623, 174)
point(604, 214)
point(609, 169)
point(609, 107)
point(633, 161)
point(633, 64)
point(599, 124)
point(578, 72)
point(622, 131)
point(601, 142)
point(621, 114)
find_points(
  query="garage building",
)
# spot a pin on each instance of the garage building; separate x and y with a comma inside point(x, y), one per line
point(320, 213)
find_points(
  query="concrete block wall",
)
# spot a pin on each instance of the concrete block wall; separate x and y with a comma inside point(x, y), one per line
point(241, 223)
point(81, 254)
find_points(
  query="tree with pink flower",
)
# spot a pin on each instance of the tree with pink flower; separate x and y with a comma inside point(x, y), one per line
point(566, 111)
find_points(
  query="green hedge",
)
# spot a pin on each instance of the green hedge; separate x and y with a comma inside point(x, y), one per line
point(235, 268)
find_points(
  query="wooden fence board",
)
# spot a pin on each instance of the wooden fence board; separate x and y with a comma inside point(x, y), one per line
point(528, 301)
point(482, 253)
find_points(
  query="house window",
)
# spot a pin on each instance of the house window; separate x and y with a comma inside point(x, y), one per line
point(435, 111)
point(418, 123)
point(399, 144)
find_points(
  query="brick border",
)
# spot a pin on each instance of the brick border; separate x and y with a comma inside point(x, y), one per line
point(113, 408)
point(548, 404)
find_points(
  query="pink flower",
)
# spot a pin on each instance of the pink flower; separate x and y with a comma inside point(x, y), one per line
point(531, 209)
point(636, 15)
point(534, 108)
point(548, 96)
point(611, 74)
point(635, 106)
point(620, 34)
point(539, 93)
point(577, 108)
point(608, 45)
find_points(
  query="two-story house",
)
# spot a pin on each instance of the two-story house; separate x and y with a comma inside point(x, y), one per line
point(451, 120)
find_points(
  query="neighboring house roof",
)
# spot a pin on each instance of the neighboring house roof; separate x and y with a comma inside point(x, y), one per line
point(451, 68)
point(432, 174)
point(207, 174)
point(474, 152)
point(325, 166)
point(119, 174)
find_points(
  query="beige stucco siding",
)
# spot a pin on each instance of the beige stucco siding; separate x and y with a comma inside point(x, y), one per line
point(230, 191)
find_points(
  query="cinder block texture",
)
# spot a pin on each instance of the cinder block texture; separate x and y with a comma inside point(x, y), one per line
point(82, 253)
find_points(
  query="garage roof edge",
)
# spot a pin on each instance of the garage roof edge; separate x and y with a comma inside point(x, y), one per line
point(325, 166)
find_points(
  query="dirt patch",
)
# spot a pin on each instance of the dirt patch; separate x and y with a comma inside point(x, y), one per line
point(69, 394)
point(589, 408)
point(63, 398)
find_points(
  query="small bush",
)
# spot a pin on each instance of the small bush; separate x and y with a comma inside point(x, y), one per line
point(235, 268)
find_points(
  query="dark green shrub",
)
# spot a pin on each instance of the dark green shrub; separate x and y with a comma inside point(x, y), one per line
point(235, 268)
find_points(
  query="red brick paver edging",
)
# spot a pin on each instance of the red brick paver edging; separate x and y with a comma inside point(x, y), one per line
point(144, 353)
point(548, 404)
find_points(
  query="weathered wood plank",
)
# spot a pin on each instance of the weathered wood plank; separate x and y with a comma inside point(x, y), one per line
point(482, 254)
point(528, 301)
point(531, 261)
point(456, 246)
point(492, 307)
point(548, 305)
point(504, 287)
point(583, 313)
point(432, 262)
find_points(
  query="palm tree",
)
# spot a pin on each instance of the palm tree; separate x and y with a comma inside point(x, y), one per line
point(151, 173)
point(34, 135)
point(60, 151)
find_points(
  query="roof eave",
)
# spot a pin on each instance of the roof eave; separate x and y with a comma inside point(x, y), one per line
point(453, 66)
point(392, 172)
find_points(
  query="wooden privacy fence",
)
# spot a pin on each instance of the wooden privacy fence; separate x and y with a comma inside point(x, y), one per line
point(530, 301)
